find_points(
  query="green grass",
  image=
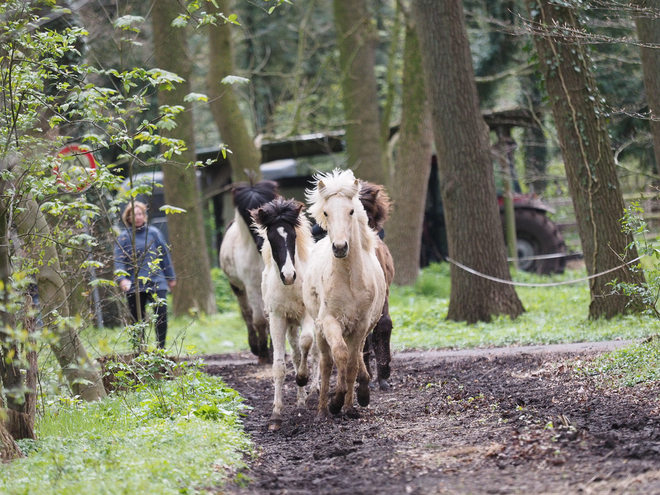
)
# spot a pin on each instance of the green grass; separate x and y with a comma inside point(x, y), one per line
point(633, 364)
point(553, 315)
point(125, 444)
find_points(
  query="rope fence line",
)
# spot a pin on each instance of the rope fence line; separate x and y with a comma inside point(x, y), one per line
point(525, 284)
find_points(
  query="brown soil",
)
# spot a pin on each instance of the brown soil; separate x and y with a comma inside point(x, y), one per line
point(507, 423)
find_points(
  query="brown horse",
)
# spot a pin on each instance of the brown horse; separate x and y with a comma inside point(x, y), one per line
point(377, 204)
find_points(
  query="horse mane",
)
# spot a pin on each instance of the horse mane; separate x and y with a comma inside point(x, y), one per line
point(247, 196)
point(341, 182)
point(289, 211)
point(336, 182)
point(377, 204)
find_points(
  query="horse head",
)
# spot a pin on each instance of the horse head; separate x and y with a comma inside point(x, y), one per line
point(278, 221)
point(336, 207)
point(249, 196)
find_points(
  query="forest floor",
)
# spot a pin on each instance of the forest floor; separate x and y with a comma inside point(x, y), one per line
point(516, 420)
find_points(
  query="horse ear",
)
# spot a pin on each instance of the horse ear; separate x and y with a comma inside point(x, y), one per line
point(321, 185)
point(258, 215)
point(299, 207)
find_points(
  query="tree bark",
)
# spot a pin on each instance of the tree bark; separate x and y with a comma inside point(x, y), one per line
point(245, 157)
point(648, 32)
point(357, 57)
point(474, 228)
point(9, 449)
point(413, 166)
point(586, 149)
point(78, 368)
point(20, 423)
point(194, 289)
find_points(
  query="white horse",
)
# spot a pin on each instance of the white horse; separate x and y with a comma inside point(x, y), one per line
point(241, 261)
point(344, 288)
point(287, 241)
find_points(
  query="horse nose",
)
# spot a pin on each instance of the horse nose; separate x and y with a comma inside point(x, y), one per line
point(288, 279)
point(340, 250)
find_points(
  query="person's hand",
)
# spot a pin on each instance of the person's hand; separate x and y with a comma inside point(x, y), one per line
point(171, 283)
point(124, 284)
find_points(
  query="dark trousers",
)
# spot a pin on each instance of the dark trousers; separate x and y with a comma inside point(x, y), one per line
point(160, 310)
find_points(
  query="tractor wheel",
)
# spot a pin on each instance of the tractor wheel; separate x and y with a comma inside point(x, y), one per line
point(538, 235)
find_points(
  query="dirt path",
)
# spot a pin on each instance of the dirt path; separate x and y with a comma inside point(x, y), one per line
point(501, 421)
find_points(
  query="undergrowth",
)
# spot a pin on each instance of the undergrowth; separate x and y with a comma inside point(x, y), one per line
point(631, 365)
point(181, 435)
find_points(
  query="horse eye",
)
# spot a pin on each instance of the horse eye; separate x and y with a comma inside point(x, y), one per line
point(352, 211)
point(325, 214)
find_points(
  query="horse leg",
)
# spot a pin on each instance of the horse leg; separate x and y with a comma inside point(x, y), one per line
point(260, 327)
point(381, 341)
point(361, 373)
point(366, 353)
point(305, 342)
point(292, 335)
point(325, 369)
point(278, 328)
point(354, 350)
point(332, 332)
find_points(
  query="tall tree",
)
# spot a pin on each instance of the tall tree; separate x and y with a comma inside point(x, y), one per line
point(468, 193)
point(194, 287)
point(586, 149)
point(413, 166)
point(647, 20)
point(245, 157)
point(69, 350)
point(357, 39)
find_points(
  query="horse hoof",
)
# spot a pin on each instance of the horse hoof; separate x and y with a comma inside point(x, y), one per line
point(337, 402)
point(265, 360)
point(363, 394)
point(384, 386)
point(372, 385)
point(275, 424)
point(301, 380)
point(353, 413)
point(323, 415)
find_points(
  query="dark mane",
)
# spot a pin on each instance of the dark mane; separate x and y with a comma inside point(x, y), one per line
point(377, 204)
point(280, 209)
point(251, 196)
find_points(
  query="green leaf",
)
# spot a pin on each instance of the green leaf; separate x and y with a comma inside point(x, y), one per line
point(235, 79)
point(170, 210)
point(195, 97)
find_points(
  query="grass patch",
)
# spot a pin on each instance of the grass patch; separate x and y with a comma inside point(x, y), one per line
point(556, 314)
point(180, 436)
point(631, 365)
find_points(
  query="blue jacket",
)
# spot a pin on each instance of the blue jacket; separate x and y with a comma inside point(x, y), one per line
point(153, 259)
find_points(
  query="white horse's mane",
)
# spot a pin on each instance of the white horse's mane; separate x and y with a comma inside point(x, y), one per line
point(344, 183)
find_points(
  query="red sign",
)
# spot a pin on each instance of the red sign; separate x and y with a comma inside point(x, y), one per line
point(77, 170)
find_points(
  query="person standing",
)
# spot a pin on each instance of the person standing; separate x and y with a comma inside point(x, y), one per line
point(154, 275)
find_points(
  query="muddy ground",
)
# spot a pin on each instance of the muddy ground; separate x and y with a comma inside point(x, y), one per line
point(496, 423)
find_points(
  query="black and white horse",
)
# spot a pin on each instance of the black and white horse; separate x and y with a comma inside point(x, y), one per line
point(287, 241)
point(241, 260)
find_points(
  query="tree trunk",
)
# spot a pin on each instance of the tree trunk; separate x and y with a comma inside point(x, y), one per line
point(648, 32)
point(20, 423)
point(587, 153)
point(9, 449)
point(413, 166)
point(245, 157)
point(474, 228)
point(357, 57)
point(78, 368)
point(194, 289)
